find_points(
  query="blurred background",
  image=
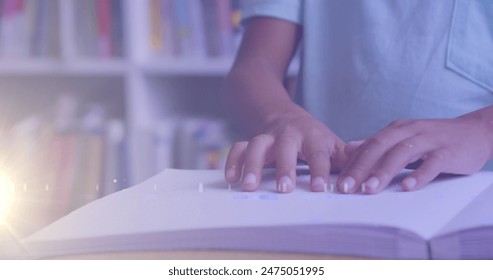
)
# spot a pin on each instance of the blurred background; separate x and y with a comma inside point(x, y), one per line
point(99, 95)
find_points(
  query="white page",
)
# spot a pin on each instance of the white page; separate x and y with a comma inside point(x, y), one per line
point(478, 214)
point(467, 235)
point(192, 200)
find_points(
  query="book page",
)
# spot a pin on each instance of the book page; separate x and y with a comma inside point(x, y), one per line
point(478, 214)
point(179, 200)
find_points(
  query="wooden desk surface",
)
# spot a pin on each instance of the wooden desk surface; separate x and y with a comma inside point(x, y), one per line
point(204, 255)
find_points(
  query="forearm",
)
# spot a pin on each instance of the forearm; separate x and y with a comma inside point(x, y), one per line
point(253, 92)
point(254, 96)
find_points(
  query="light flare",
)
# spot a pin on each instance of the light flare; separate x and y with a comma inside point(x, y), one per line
point(7, 197)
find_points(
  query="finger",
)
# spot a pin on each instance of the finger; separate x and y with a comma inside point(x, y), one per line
point(317, 155)
point(367, 156)
point(255, 156)
point(338, 159)
point(393, 162)
point(351, 147)
point(428, 170)
point(361, 165)
point(286, 154)
point(234, 162)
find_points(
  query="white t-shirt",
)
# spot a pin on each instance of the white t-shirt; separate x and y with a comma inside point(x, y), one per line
point(367, 63)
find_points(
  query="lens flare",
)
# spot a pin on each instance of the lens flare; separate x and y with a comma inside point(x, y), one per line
point(6, 197)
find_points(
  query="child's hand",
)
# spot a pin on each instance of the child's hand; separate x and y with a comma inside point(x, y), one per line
point(294, 135)
point(458, 146)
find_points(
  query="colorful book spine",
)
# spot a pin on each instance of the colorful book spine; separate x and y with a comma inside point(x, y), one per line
point(195, 28)
point(155, 11)
point(105, 46)
point(183, 27)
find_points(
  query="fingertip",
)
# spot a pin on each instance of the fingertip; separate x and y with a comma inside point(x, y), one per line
point(249, 183)
point(318, 184)
point(364, 188)
point(347, 185)
point(285, 184)
point(372, 186)
point(409, 184)
point(231, 175)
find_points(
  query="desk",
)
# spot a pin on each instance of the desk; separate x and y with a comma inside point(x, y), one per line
point(204, 255)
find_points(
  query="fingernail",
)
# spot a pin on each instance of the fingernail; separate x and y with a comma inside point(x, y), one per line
point(319, 184)
point(409, 183)
point(347, 184)
point(230, 174)
point(249, 180)
point(372, 184)
point(284, 184)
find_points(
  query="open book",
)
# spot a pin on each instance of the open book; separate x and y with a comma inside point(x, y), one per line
point(184, 209)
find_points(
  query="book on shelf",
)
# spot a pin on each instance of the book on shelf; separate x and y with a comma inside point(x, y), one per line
point(115, 157)
point(61, 161)
point(99, 28)
point(183, 142)
point(28, 28)
point(117, 31)
point(103, 9)
point(194, 28)
point(197, 210)
point(87, 183)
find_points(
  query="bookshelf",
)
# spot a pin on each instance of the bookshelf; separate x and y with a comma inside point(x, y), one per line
point(145, 92)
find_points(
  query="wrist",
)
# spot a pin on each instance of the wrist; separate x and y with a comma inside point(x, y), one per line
point(484, 119)
point(285, 113)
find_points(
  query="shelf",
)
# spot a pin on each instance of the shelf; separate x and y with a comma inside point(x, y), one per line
point(56, 67)
point(189, 66)
point(197, 66)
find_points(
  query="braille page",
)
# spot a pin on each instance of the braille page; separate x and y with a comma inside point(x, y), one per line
point(177, 200)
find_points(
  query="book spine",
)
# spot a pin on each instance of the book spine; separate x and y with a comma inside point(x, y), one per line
point(236, 16)
point(171, 40)
point(164, 143)
point(197, 27)
point(64, 148)
point(183, 28)
point(87, 20)
point(211, 28)
point(20, 42)
point(117, 32)
point(31, 7)
point(224, 26)
point(114, 169)
point(156, 15)
point(7, 25)
point(88, 182)
point(93, 188)
point(45, 29)
point(105, 47)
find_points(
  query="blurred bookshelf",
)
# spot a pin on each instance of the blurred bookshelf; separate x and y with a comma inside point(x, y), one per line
point(98, 95)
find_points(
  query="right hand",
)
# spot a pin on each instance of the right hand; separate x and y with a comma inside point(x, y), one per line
point(292, 135)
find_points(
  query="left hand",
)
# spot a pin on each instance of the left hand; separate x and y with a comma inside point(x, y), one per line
point(458, 146)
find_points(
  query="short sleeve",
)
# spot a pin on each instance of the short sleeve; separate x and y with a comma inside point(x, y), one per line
point(290, 10)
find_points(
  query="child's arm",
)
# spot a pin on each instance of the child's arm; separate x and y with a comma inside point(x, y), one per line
point(283, 132)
